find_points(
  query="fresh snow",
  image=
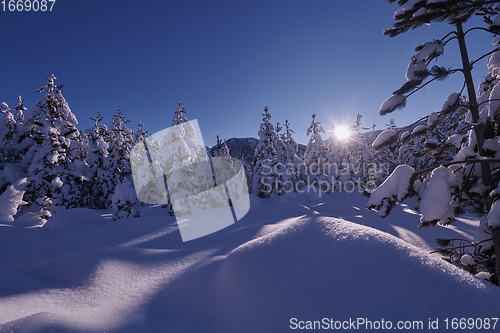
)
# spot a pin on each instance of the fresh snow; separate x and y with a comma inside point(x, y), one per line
point(384, 137)
point(455, 140)
point(429, 49)
point(419, 129)
point(302, 256)
point(433, 118)
point(436, 197)
point(494, 216)
point(450, 100)
point(392, 103)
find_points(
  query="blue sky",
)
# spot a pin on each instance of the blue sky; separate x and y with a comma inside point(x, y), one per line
point(225, 60)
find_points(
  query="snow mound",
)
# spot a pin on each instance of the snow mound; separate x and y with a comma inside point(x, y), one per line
point(72, 218)
point(29, 219)
point(259, 288)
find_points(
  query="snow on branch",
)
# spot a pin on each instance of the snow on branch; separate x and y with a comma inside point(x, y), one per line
point(395, 188)
point(392, 103)
point(384, 139)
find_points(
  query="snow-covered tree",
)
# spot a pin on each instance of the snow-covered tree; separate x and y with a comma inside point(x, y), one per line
point(292, 148)
point(179, 117)
point(281, 147)
point(124, 201)
point(49, 160)
point(467, 181)
point(316, 155)
point(220, 149)
point(98, 166)
point(265, 178)
point(121, 139)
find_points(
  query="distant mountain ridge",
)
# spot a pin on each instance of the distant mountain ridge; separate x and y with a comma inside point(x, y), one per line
point(245, 147)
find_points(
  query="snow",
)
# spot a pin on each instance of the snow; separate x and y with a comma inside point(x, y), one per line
point(493, 64)
point(384, 137)
point(455, 140)
point(483, 275)
point(419, 129)
point(392, 103)
point(123, 192)
point(428, 50)
point(464, 154)
point(483, 236)
point(433, 118)
point(88, 273)
point(496, 20)
point(494, 97)
point(491, 144)
point(436, 197)
point(395, 186)
point(415, 67)
point(467, 260)
point(450, 100)
point(10, 200)
point(494, 216)
point(404, 135)
point(84, 272)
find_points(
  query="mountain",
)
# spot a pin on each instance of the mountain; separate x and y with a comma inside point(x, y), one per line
point(245, 147)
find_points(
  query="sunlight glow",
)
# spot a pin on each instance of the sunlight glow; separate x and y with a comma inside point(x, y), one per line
point(342, 132)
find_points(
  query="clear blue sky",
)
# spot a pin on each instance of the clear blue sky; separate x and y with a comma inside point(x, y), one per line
point(225, 60)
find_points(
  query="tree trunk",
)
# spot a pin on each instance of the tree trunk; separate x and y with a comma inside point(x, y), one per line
point(495, 234)
point(478, 128)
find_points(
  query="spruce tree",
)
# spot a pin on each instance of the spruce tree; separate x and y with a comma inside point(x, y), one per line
point(51, 168)
point(265, 178)
point(316, 155)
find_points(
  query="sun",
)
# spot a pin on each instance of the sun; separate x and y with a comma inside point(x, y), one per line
point(341, 132)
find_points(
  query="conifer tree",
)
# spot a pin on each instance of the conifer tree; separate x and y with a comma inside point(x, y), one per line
point(280, 144)
point(53, 127)
point(467, 181)
point(316, 155)
point(265, 179)
point(179, 117)
point(120, 144)
point(292, 147)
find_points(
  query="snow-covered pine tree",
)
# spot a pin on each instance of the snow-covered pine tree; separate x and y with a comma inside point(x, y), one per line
point(99, 167)
point(445, 191)
point(179, 117)
point(292, 147)
point(281, 147)
point(120, 144)
point(50, 166)
point(8, 128)
point(265, 178)
point(316, 156)
point(140, 134)
point(220, 149)
point(291, 174)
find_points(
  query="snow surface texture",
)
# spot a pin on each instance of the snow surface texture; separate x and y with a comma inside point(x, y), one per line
point(295, 257)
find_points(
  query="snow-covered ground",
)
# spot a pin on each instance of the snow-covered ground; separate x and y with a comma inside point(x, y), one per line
point(290, 258)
